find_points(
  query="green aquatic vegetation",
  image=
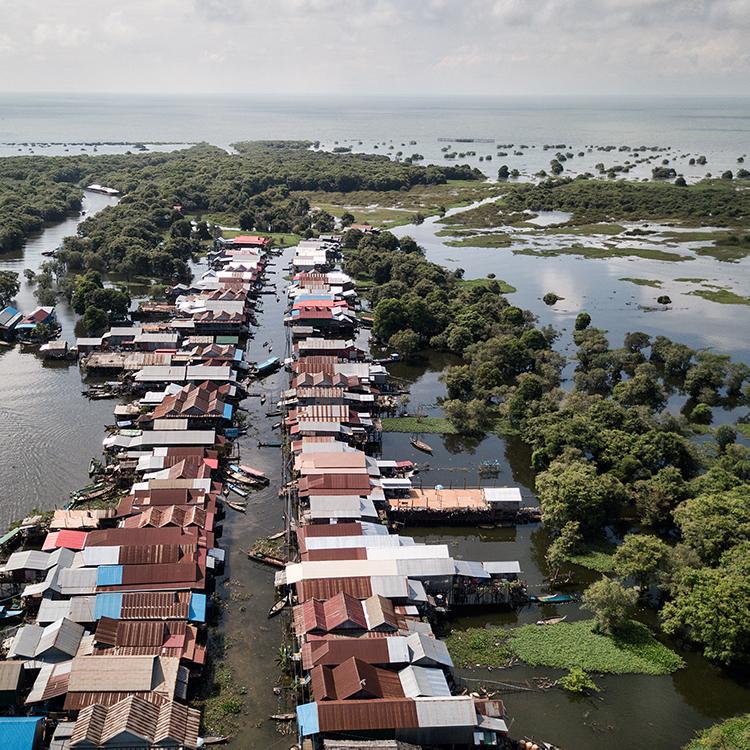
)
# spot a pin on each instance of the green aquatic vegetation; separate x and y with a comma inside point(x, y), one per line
point(479, 646)
point(587, 229)
point(436, 425)
point(731, 734)
point(577, 681)
point(656, 283)
point(743, 428)
point(505, 287)
point(690, 280)
point(496, 239)
point(599, 253)
point(722, 296)
point(595, 556)
point(634, 650)
point(726, 252)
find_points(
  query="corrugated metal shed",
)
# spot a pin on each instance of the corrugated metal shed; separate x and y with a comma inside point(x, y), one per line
point(354, 715)
point(470, 569)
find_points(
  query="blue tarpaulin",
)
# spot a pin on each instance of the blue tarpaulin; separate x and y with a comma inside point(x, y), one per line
point(228, 409)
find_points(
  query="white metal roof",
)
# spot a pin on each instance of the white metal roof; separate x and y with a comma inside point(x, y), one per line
point(105, 555)
point(426, 650)
point(502, 567)
point(426, 568)
point(77, 609)
point(471, 569)
point(453, 711)
point(423, 681)
point(391, 587)
point(398, 648)
point(502, 495)
point(410, 552)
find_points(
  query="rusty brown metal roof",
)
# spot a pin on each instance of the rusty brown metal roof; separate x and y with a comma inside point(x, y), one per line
point(333, 651)
point(359, 587)
point(353, 715)
point(155, 605)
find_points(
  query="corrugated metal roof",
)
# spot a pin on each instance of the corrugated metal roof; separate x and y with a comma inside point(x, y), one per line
point(425, 650)
point(454, 711)
point(423, 681)
point(353, 715)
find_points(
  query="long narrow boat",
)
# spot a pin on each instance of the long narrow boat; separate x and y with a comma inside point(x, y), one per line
point(250, 471)
point(420, 445)
point(277, 607)
point(237, 490)
point(239, 507)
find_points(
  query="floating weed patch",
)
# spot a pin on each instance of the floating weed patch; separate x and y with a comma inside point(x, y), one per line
point(566, 645)
point(722, 296)
point(643, 282)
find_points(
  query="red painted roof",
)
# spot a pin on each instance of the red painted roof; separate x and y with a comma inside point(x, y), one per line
point(66, 538)
point(250, 239)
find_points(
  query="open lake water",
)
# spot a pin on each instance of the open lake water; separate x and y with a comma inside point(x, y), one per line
point(49, 431)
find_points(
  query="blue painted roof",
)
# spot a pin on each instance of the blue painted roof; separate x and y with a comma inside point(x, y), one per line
point(307, 719)
point(109, 575)
point(311, 297)
point(197, 609)
point(108, 605)
point(19, 732)
point(228, 409)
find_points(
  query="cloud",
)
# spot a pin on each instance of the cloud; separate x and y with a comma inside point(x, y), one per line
point(387, 46)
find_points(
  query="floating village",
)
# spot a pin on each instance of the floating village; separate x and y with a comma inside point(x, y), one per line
point(107, 603)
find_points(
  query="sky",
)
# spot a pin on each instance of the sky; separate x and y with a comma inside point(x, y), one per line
point(413, 47)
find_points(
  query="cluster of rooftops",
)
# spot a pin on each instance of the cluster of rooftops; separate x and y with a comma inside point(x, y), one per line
point(361, 596)
point(116, 600)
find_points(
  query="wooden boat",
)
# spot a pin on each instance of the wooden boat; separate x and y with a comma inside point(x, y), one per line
point(421, 445)
point(219, 739)
point(239, 507)
point(263, 399)
point(276, 425)
point(269, 444)
point(274, 413)
point(241, 478)
point(250, 471)
point(277, 535)
point(237, 490)
point(551, 620)
point(277, 607)
point(283, 717)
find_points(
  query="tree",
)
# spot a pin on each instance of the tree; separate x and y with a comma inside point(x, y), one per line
point(642, 557)
point(566, 544)
point(347, 219)
point(405, 342)
point(9, 286)
point(610, 603)
point(181, 228)
point(247, 220)
point(712, 608)
point(725, 435)
point(95, 320)
point(575, 492)
point(714, 522)
point(657, 496)
point(583, 320)
point(389, 317)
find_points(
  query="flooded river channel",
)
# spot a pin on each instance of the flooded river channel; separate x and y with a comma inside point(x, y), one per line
point(49, 432)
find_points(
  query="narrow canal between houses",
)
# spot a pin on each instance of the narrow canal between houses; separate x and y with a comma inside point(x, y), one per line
point(49, 431)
